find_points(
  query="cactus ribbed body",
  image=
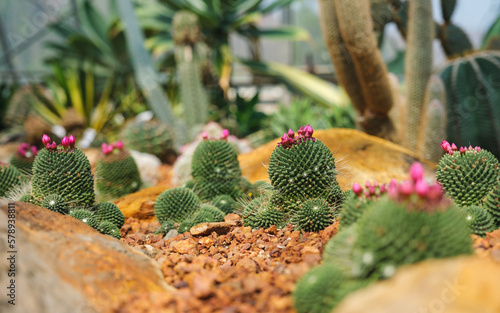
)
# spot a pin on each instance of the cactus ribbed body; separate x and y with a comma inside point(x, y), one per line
point(479, 220)
point(176, 204)
point(165, 228)
point(185, 226)
point(27, 198)
point(352, 209)
point(9, 177)
point(339, 249)
point(492, 204)
point(110, 229)
point(23, 164)
point(85, 216)
point(262, 213)
point(468, 177)
point(107, 211)
point(225, 203)
point(56, 203)
point(208, 214)
point(314, 215)
point(117, 176)
point(66, 173)
point(472, 100)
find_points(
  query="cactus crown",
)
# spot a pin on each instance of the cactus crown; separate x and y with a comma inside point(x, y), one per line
point(176, 204)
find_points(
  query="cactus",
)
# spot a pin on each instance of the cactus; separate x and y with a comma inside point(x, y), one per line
point(447, 7)
point(492, 204)
point(165, 228)
point(64, 170)
point(85, 216)
point(24, 157)
point(262, 213)
point(110, 229)
point(478, 220)
point(153, 137)
point(117, 173)
point(225, 203)
point(27, 198)
point(467, 174)
point(208, 214)
point(339, 249)
point(56, 203)
point(454, 41)
point(10, 176)
point(358, 200)
point(473, 115)
point(107, 211)
point(314, 215)
point(176, 204)
point(215, 168)
point(301, 168)
point(185, 226)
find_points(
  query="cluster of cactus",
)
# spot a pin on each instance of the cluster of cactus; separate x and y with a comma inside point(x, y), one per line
point(153, 137)
point(24, 157)
point(261, 212)
point(116, 172)
point(407, 222)
point(10, 177)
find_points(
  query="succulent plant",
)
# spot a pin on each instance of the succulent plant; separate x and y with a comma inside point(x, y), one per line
point(262, 213)
point(56, 203)
point(185, 226)
point(153, 137)
point(165, 228)
point(314, 215)
point(27, 198)
point(339, 249)
point(63, 170)
point(225, 203)
point(215, 168)
point(108, 211)
point(302, 168)
point(176, 204)
point(117, 173)
point(358, 200)
point(478, 220)
point(467, 174)
point(110, 229)
point(85, 216)
point(24, 157)
point(492, 204)
point(9, 177)
point(208, 214)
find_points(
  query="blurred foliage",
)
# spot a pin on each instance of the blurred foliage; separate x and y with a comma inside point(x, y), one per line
point(491, 40)
point(6, 92)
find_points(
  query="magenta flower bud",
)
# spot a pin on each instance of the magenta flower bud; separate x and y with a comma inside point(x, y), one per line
point(416, 171)
point(357, 189)
point(383, 188)
point(34, 150)
point(422, 188)
point(65, 142)
point(445, 145)
point(301, 131)
point(406, 188)
point(308, 131)
point(393, 183)
point(53, 146)
point(454, 147)
point(45, 140)
point(371, 189)
point(71, 141)
point(291, 134)
point(225, 134)
point(119, 145)
point(368, 184)
point(109, 149)
point(477, 149)
point(470, 147)
point(104, 148)
point(204, 135)
point(462, 150)
point(435, 191)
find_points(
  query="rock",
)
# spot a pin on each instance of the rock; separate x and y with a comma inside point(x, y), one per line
point(205, 229)
point(171, 234)
point(148, 165)
point(247, 264)
point(233, 218)
point(141, 204)
point(187, 246)
point(458, 285)
point(63, 265)
point(358, 158)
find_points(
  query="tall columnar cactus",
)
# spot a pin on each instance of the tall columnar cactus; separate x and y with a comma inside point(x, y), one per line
point(492, 204)
point(302, 168)
point(10, 176)
point(188, 47)
point(24, 157)
point(176, 204)
point(467, 174)
point(63, 170)
point(215, 168)
point(153, 137)
point(116, 172)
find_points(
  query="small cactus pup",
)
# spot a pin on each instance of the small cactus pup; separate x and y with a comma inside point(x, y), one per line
point(261, 212)
point(176, 204)
point(56, 203)
point(208, 214)
point(85, 216)
point(302, 168)
point(314, 215)
point(110, 229)
point(185, 226)
point(413, 223)
point(225, 203)
point(467, 174)
point(215, 168)
point(108, 211)
point(10, 176)
point(492, 204)
point(165, 228)
point(64, 170)
point(24, 157)
point(478, 220)
point(117, 174)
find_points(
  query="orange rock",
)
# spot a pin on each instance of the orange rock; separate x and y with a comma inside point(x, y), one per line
point(247, 264)
point(141, 204)
point(187, 246)
point(205, 229)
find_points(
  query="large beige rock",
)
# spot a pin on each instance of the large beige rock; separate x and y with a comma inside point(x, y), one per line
point(63, 265)
point(459, 285)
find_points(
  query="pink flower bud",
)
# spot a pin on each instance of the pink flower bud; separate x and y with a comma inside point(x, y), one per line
point(463, 150)
point(450, 152)
point(383, 188)
point(445, 145)
point(65, 142)
point(104, 148)
point(34, 150)
point(477, 149)
point(301, 131)
point(406, 188)
point(225, 134)
point(357, 189)
point(422, 188)
point(204, 135)
point(435, 191)
point(45, 139)
point(71, 141)
point(308, 131)
point(119, 145)
point(416, 171)
point(368, 184)
point(371, 189)
point(109, 149)
point(470, 147)
point(454, 147)
point(53, 146)
point(291, 134)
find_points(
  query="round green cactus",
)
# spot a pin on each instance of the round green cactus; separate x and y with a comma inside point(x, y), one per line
point(56, 203)
point(262, 213)
point(302, 168)
point(10, 176)
point(492, 204)
point(215, 168)
point(107, 211)
point(317, 290)
point(314, 215)
point(208, 214)
point(478, 220)
point(225, 203)
point(117, 175)
point(85, 216)
point(153, 137)
point(165, 228)
point(110, 229)
point(66, 172)
point(27, 198)
point(468, 175)
point(185, 226)
point(339, 249)
point(176, 204)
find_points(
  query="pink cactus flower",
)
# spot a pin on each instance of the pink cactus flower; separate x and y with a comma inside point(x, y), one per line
point(422, 188)
point(301, 131)
point(308, 131)
point(65, 142)
point(119, 145)
point(204, 135)
point(383, 188)
point(416, 171)
point(225, 134)
point(371, 190)
point(406, 188)
point(104, 148)
point(45, 140)
point(445, 145)
point(71, 141)
point(462, 150)
point(34, 150)
point(53, 146)
point(454, 147)
point(477, 149)
point(291, 134)
point(357, 189)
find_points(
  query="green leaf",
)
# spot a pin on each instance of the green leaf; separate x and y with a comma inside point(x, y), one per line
point(492, 33)
point(275, 5)
point(284, 33)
